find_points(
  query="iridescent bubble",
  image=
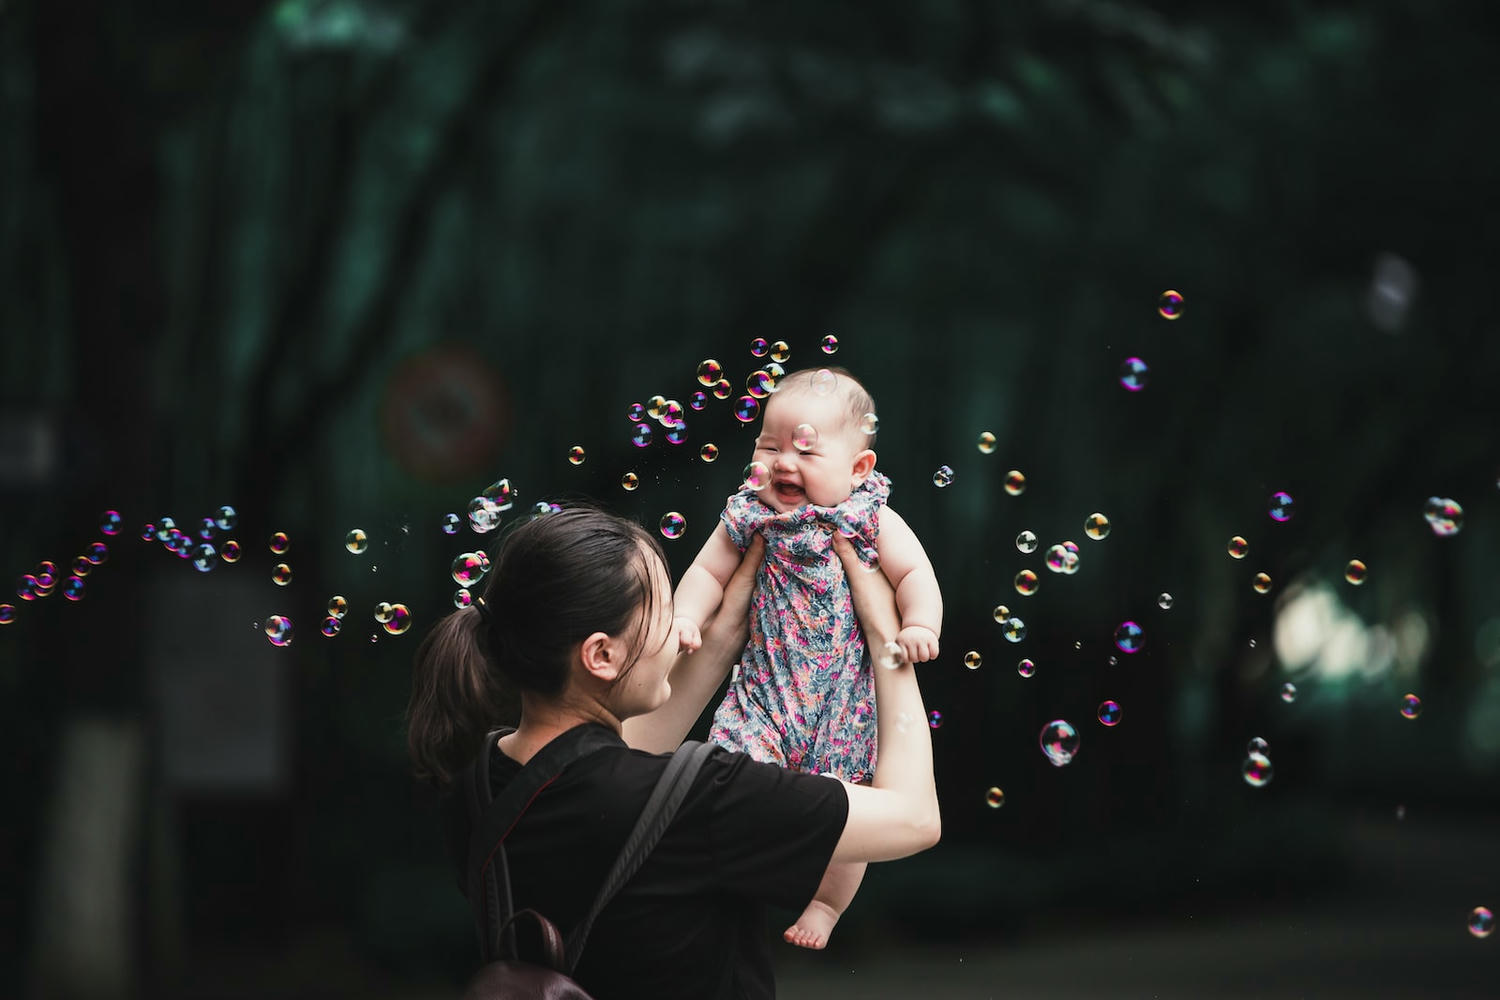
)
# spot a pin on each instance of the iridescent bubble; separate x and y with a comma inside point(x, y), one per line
point(1257, 770)
point(1015, 482)
point(722, 388)
point(7, 613)
point(484, 516)
point(462, 598)
point(110, 521)
point(824, 382)
point(758, 383)
point(148, 532)
point(26, 588)
point(1170, 304)
point(630, 481)
point(331, 626)
point(72, 588)
point(450, 524)
point(1238, 547)
point(338, 606)
point(986, 443)
point(805, 437)
point(1257, 745)
point(467, 569)
point(226, 518)
point(1014, 630)
point(576, 455)
point(759, 347)
point(673, 524)
point(1026, 542)
point(1164, 601)
point(1261, 583)
point(846, 521)
point(164, 528)
point(281, 575)
point(656, 406)
point(1001, 613)
point(1059, 741)
point(1411, 706)
point(780, 351)
point(1481, 921)
point(374, 637)
point(640, 435)
point(1026, 582)
point(1057, 558)
point(1355, 572)
point(757, 476)
point(1130, 637)
point(677, 435)
point(280, 543)
point(1110, 713)
point(1071, 546)
point(830, 344)
point(860, 716)
point(97, 553)
point(278, 629)
point(973, 660)
point(935, 719)
point(1288, 692)
point(1026, 668)
point(230, 552)
point(709, 371)
point(698, 400)
point(356, 541)
point(501, 495)
point(1113, 661)
point(943, 477)
point(746, 409)
point(1445, 515)
point(891, 656)
point(206, 528)
point(869, 423)
point(1096, 526)
point(672, 414)
point(400, 619)
point(994, 798)
point(636, 412)
point(82, 566)
point(204, 557)
point(1281, 505)
point(1133, 374)
point(383, 611)
point(709, 452)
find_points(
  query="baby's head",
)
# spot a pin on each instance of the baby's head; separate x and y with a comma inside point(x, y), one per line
point(822, 467)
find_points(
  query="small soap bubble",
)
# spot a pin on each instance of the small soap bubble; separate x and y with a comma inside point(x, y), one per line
point(830, 344)
point(673, 524)
point(1355, 572)
point(758, 384)
point(1411, 706)
point(576, 455)
point(1096, 526)
point(338, 606)
point(1015, 482)
point(204, 557)
point(630, 481)
point(1481, 921)
point(72, 588)
point(450, 524)
point(824, 382)
point(1113, 661)
point(1001, 613)
point(1071, 546)
point(746, 409)
point(466, 569)
point(698, 400)
point(1252, 643)
point(1444, 515)
point(374, 638)
point(462, 598)
point(709, 452)
point(1238, 547)
point(780, 351)
point(1133, 374)
point(759, 347)
point(656, 406)
point(1164, 601)
point(1261, 583)
point(1026, 582)
point(399, 621)
point(206, 528)
point(672, 414)
point(943, 477)
point(7, 613)
point(1026, 542)
point(1130, 637)
point(226, 518)
point(82, 566)
point(1057, 558)
point(1026, 668)
point(331, 626)
point(1077, 644)
point(164, 528)
point(230, 552)
point(805, 437)
point(891, 655)
point(994, 798)
point(1257, 745)
point(1288, 692)
point(383, 611)
point(1014, 630)
point(1170, 304)
point(148, 532)
point(356, 541)
point(281, 575)
point(869, 423)
point(1281, 506)
point(98, 553)
point(484, 515)
point(1059, 741)
point(640, 435)
point(280, 543)
point(278, 629)
point(110, 521)
point(986, 443)
point(935, 719)
point(26, 588)
point(1110, 713)
point(709, 371)
point(677, 435)
point(722, 389)
point(757, 476)
point(636, 412)
point(1257, 770)
point(973, 660)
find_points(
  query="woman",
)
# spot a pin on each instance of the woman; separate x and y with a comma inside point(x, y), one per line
point(577, 617)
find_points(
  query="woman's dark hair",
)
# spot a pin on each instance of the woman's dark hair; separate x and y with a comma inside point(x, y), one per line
point(556, 580)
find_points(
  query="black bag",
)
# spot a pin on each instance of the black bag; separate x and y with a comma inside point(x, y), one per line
point(507, 976)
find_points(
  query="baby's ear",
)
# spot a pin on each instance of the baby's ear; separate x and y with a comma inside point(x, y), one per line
point(864, 463)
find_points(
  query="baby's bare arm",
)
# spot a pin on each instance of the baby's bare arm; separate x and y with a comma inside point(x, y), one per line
point(702, 587)
point(906, 565)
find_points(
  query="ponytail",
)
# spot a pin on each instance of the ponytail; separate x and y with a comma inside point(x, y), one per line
point(455, 697)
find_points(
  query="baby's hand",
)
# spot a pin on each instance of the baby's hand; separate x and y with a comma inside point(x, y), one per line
point(688, 637)
point(918, 643)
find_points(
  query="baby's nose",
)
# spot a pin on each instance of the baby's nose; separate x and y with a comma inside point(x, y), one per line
point(785, 462)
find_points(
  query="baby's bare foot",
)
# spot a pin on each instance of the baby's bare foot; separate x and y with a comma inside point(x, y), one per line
point(812, 928)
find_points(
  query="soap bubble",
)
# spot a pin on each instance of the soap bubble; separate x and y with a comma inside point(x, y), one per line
point(780, 351)
point(1113, 661)
point(636, 412)
point(467, 569)
point(698, 400)
point(73, 588)
point(757, 476)
point(1444, 515)
point(1258, 745)
point(973, 660)
point(205, 557)
point(672, 414)
point(1059, 741)
point(1026, 582)
point(1355, 572)
point(1015, 630)
point(746, 409)
point(356, 541)
point(383, 611)
point(462, 598)
point(1481, 921)
point(759, 347)
point(805, 437)
point(1130, 637)
point(400, 619)
point(656, 406)
point(98, 553)
point(1411, 706)
point(148, 532)
point(1288, 692)
point(1026, 668)
point(759, 383)
point(676, 435)
point(1281, 506)
point(281, 575)
point(830, 344)
point(869, 423)
point(987, 443)
point(629, 481)
point(278, 629)
point(721, 389)
point(640, 435)
point(331, 626)
point(82, 566)
point(484, 516)
point(994, 798)
point(824, 382)
point(673, 524)
point(935, 719)
point(1257, 770)
point(1026, 542)
point(709, 452)
point(1238, 547)
point(110, 521)
point(164, 528)
point(846, 521)
point(1164, 601)
point(1096, 526)
point(1110, 713)
point(1170, 304)
point(230, 552)
point(226, 518)
point(7, 613)
point(709, 371)
point(942, 477)
point(206, 528)
point(450, 524)
point(280, 543)
point(1262, 583)
point(337, 606)
point(576, 455)
point(1015, 482)
point(1061, 559)
point(1133, 374)
point(1002, 614)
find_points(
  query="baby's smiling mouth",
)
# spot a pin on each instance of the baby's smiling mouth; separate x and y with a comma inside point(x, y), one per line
point(788, 492)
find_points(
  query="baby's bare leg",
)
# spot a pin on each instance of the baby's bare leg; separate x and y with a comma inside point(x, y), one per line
point(840, 882)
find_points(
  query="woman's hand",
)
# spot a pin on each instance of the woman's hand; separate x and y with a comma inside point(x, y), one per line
point(874, 597)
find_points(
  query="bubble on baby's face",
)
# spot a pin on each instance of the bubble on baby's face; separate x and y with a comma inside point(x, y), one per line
point(356, 541)
point(1026, 583)
point(1059, 742)
point(973, 660)
point(1444, 515)
point(1280, 506)
point(1026, 668)
point(943, 477)
point(805, 437)
point(757, 476)
point(399, 621)
point(1164, 601)
point(1130, 637)
point(1238, 547)
point(1014, 630)
point(1110, 713)
point(830, 344)
point(1134, 374)
point(986, 443)
point(281, 575)
point(1001, 614)
point(466, 569)
point(780, 352)
point(746, 409)
point(824, 382)
point(1411, 706)
point(1355, 572)
point(1096, 526)
point(673, 524)
point(636, 412)
point(1015, 482)
point(869, 423)
point(630, 481)
point(278, 629)
point(994, 798)
point(1261, 583)
point(280, 543)
point(640, 435)
point(576, 455)
point(709, 452)
point(338, 606)
point(1288, 692)
point(1257, 770)
point(1169, 304)
point(709, 371)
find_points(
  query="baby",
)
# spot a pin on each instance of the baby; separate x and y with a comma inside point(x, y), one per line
point(802, 695)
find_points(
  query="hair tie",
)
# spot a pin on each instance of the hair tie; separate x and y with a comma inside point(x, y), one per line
point(484, 609)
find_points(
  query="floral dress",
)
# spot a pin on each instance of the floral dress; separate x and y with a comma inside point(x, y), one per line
point(802, 695)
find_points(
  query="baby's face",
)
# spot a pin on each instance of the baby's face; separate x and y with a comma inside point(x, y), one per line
point(823, 474)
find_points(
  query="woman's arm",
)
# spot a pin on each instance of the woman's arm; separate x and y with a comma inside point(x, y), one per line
point(696, 676)
point(897, 815)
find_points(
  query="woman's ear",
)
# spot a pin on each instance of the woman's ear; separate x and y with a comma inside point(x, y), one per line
point(600, 656)
point(864, 462)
